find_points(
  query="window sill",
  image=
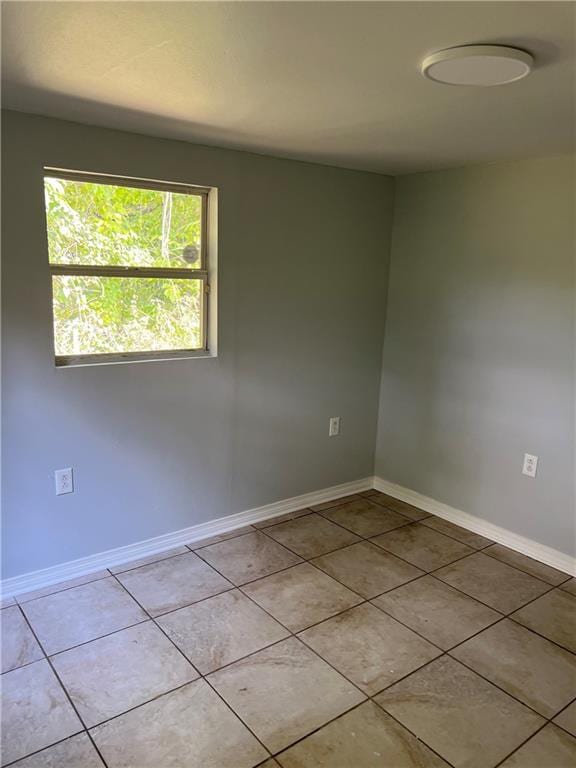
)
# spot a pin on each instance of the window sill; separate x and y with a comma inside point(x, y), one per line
point(83, 361)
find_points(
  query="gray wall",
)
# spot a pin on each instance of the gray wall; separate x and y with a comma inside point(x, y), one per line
point(478, 363)
point(159, 446)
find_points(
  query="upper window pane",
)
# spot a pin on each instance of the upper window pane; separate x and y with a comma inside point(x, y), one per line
point(108, 225)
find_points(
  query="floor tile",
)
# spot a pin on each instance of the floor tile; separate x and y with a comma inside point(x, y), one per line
point(284, 692)
point(437, 611)
point(470, 538)
point(366, 737)
point(6, 602)
point(408, 510)
point(334, 502)
point(422, 546)
point(76, 752)
point(526, 564)
point(269, 764)
point(549, 748)
point(62, 585)
point(365, 518)
point(115, 673)
point(188, 728)
point(19, 645)
point(525, 665)
point(311, 536)
point(248, 557)
point(221, 630)
point(81, 614)
point(174, 583)
point(283, 518)
point(194, 545)
point(367, 569)
point(492, 582)
point(151, 559)
point(567, 719)
point(468, 721)
point(552, 615)
point(368, 647)
point(374, 494)
point(301, 596)
point(35, 711)
point(569, 586)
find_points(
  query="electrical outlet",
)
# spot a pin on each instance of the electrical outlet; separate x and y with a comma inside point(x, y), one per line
point(530, 465)
point(64, 479)
point(334, 426)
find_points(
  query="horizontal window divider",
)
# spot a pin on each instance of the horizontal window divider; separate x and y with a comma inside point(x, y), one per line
point(126, 181)
point(83, 270)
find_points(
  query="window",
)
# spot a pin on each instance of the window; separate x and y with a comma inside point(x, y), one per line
point(129, 266)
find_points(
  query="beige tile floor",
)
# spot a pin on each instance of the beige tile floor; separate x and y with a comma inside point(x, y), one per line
point(361, 634)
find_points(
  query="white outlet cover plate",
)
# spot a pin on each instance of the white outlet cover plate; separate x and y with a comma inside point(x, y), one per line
point(64, 481)
point(334, 427)
point(530, 465)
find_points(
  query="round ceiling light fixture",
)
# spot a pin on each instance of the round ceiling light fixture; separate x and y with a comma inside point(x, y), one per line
point(482, 65)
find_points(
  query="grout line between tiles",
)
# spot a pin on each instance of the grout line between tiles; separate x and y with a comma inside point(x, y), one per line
point(487, 546)
point(386, 505)
point(442, 651)
point(559, 713)
point(424, 572)
point(307, 559)
point(290, 635)
point(201, 676)
point(496, 685)
point(53, 744)
point(539, 634)
point(370, 540)
point(160, 559)
point(304, 512)
point(450, 536)
point(444, 565)
point(258, 578)
point(524, 742)
point(141, 704)
point(406, 522)
point(433, 574)
point(516, 567)
point(85, 642)
point(370, 697)
point(418, 738)
point(65, 690)
point(56, 591)
point(241, 532)
point(339, 672)
point(28, 663)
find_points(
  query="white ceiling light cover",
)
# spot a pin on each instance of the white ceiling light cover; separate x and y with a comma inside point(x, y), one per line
point(479, 65)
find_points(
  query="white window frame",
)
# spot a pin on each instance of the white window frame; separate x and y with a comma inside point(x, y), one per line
point(206, 272)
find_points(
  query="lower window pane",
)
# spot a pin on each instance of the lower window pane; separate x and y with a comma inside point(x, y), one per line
point(107, 315)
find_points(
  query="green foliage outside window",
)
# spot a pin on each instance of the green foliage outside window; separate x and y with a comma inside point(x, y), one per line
point(104, 225)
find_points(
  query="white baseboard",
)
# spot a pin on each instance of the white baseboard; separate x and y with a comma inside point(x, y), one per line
point(541, 552)
point(112, 557)
point(18, 585)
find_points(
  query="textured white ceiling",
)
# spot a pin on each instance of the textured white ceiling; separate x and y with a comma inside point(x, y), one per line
point(331, 82)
